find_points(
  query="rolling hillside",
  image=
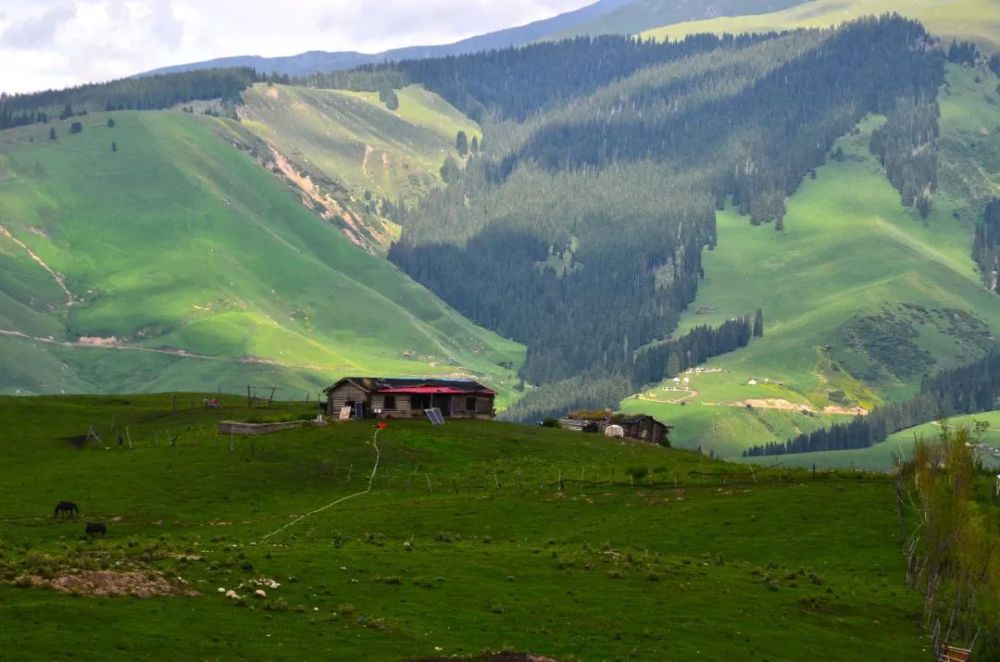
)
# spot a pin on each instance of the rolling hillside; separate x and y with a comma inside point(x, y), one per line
point(861, 296)
point(975, 20)
point(154, 256)
point(350, 155)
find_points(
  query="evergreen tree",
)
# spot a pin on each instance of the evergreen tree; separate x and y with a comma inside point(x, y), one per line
point(52, 133)
point(758, 324)
point(449, 169)
point(66, 113)
point(76, 127)
point(114, 146)
point(111, 122)
point(462, 144)
point(474, 146)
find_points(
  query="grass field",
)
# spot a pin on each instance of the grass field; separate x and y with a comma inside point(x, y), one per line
point(178, 262)
point(975, 20)
point(465, 544)
point(851, 264)
point(881, 457)
point(353, 147)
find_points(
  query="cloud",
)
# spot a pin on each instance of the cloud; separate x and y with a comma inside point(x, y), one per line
point(34, 33)
point(45, 43)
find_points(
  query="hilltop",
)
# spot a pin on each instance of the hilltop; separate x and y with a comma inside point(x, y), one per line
point(352, 156)
point(466, 543)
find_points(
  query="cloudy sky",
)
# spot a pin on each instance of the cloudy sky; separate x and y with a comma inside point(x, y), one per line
point(54, 43)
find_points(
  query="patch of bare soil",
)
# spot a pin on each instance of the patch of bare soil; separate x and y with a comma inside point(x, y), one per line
point(105, 583)
point(846, 411)
point(785, 405)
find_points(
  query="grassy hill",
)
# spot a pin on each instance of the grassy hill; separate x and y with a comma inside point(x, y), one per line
point(464, 544)
point(178, 262)
point(354, 151)
point(860, 296)
point(975, 20)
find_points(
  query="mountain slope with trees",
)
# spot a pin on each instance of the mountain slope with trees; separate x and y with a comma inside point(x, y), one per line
point(863, 296)
point(635, 163)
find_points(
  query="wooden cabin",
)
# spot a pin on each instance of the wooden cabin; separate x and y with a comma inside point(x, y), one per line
point(408, 398)
point(645, 428)
point(640, 427)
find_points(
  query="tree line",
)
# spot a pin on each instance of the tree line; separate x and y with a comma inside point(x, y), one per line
point(142, 93)
point(599, 389)
point(968, 389)
point(986, 245)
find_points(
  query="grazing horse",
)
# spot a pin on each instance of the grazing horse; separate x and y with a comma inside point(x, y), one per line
point(66, 509)
point(97, 529)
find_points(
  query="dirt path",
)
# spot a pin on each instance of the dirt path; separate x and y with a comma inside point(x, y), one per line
point(38, 260)
point(89, 343)
point(691, 394)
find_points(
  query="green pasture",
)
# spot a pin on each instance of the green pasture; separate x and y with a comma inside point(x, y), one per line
point(466, 543)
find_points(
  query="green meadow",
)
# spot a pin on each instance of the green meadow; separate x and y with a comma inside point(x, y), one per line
point(177, 262)
point(473, 537)
point(975, 20)
point(852, 268)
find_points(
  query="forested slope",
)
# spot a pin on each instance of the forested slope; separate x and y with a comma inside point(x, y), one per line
point(581, 232)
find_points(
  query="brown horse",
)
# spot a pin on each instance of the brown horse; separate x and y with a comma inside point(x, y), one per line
point(66, 509)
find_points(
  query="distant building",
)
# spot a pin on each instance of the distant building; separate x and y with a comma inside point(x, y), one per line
point(640, 427)
point(408, 398)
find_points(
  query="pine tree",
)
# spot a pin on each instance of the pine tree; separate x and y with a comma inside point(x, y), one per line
point(111, 122)
point(474, 147)
point(52, 133)
point(114, 146)
point(462, 144)
point(758, 324)
point(66, 113)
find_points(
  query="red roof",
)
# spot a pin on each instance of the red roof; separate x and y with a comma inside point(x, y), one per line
point(432, 390)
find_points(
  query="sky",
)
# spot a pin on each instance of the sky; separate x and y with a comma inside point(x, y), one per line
point(55, 43)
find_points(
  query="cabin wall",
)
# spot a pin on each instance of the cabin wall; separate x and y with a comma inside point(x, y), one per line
point(478, 407)
point(340, 396)
point(401, 409)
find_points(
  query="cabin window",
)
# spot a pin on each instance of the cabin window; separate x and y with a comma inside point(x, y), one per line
point(470, 404)
point(390, 402)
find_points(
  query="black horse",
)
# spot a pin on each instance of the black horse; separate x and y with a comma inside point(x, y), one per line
point(97, 529)
point(66, 509)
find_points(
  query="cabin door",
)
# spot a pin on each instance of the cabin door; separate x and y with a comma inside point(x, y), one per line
point(442, 402)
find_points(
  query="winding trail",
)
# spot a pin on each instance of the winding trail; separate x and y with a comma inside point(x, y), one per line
point(371, 479)
point(40, 262)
